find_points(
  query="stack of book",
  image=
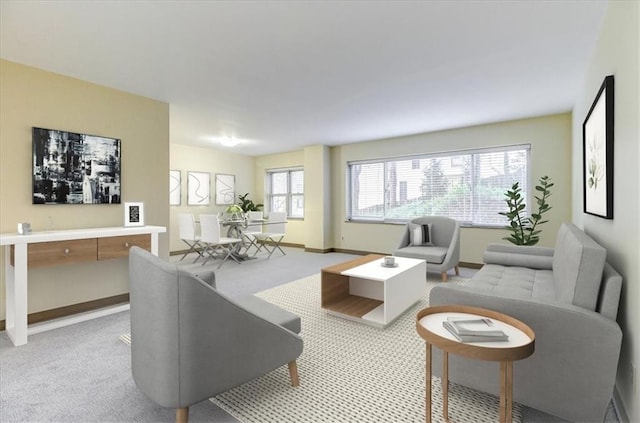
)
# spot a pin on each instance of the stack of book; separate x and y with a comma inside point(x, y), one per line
point(474, 330)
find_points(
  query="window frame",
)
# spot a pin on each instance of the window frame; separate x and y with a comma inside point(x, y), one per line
point(452, 154)
point(289, 195)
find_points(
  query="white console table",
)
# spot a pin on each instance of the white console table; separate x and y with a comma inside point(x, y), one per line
point(50, 248)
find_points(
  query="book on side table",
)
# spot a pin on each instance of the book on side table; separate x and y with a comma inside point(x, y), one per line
point(474, 330)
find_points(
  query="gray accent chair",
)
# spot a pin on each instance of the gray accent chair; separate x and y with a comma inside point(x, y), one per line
point(190, 342)
point(444, 254)
point(569, 296)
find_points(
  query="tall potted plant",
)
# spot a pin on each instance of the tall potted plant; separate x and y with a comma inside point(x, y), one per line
point(523, 228)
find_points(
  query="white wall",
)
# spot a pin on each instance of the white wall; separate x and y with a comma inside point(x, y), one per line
point(617, 53)
point(185, 158)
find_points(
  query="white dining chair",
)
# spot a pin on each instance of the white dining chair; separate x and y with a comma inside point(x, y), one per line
point(187, 224)
point(215, 244)
point(253, 227)
point(274, 235)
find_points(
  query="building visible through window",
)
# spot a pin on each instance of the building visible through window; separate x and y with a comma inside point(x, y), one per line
point(466, 185)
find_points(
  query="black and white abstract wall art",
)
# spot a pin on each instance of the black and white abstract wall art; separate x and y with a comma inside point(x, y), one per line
point(198, 188)
point(74, 168)
point(225, 189)
point(175, 180)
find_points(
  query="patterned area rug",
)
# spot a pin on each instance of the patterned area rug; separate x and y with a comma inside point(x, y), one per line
point(350, 372)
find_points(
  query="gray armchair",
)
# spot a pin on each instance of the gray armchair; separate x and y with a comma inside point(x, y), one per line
point(442, 249)
point(190, 342)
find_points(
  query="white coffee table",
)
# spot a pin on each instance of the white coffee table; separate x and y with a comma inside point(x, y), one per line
point(364, 290)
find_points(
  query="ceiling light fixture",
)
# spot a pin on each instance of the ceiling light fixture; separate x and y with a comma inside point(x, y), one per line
point(229, 142)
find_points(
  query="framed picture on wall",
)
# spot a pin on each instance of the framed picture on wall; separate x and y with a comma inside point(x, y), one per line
point(597, 150)
point(198, 188)
point(225, 189)
point(75, 168)
point(133, 214)
point(175, 179)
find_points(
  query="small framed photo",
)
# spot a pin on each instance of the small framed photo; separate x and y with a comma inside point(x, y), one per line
point(133, 214)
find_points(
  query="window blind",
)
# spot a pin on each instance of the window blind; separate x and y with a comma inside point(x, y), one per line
point(466, 185)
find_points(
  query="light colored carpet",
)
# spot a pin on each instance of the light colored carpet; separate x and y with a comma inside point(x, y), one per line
point(350, 372)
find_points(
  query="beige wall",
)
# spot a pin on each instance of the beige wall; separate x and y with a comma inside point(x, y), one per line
point(185, 159)
point(32, 97)
point(317, 207)
point(550, 139)
point(618, 53)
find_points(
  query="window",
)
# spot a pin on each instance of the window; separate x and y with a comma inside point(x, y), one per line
point(285, 192)
point(466, 185)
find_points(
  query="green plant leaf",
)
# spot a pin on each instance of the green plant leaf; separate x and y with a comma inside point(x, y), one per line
point(524, 228)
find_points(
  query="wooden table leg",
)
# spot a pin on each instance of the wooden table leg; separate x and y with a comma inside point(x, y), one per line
point(506, 391)
point(428, 383)
point(445, 386)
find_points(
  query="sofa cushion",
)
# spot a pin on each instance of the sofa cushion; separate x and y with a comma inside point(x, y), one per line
point(270, 312)
point(520, 282)
point(578, 262)
point(430, 254)
point(420, 234)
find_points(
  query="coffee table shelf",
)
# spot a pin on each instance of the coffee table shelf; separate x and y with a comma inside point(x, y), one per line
point(364, 291)
point(354, 305)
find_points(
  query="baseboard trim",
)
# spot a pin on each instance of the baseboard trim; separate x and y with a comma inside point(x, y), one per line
point(318, 250)
point(70, 310)
point(470, 265)
point(356, 252)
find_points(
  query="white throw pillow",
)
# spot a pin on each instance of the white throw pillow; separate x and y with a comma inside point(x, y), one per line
point(420, 234)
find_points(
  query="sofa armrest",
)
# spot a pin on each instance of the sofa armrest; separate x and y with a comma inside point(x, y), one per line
point(223, 344)
point(519, 255)
point(207, 276)
point(576, 353)
point(404, 241)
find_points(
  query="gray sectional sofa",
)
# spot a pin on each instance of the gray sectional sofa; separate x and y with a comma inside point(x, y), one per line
point(569, 296)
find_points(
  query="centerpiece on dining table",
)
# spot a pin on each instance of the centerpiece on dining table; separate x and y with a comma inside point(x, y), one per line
point(234, 212)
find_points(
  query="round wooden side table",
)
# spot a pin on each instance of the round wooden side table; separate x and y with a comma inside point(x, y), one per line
point(520, 345)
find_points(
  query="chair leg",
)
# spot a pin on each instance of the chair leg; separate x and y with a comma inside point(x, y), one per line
point(293, 373)
point(193, 248)
point(278, 247)
point(229, 253)
point(260, 244)
point(445, 277)
point(182, 415)
point(457, 270)
point(208, 251)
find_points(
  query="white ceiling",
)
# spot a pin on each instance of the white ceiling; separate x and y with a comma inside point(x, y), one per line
point(281, 75)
